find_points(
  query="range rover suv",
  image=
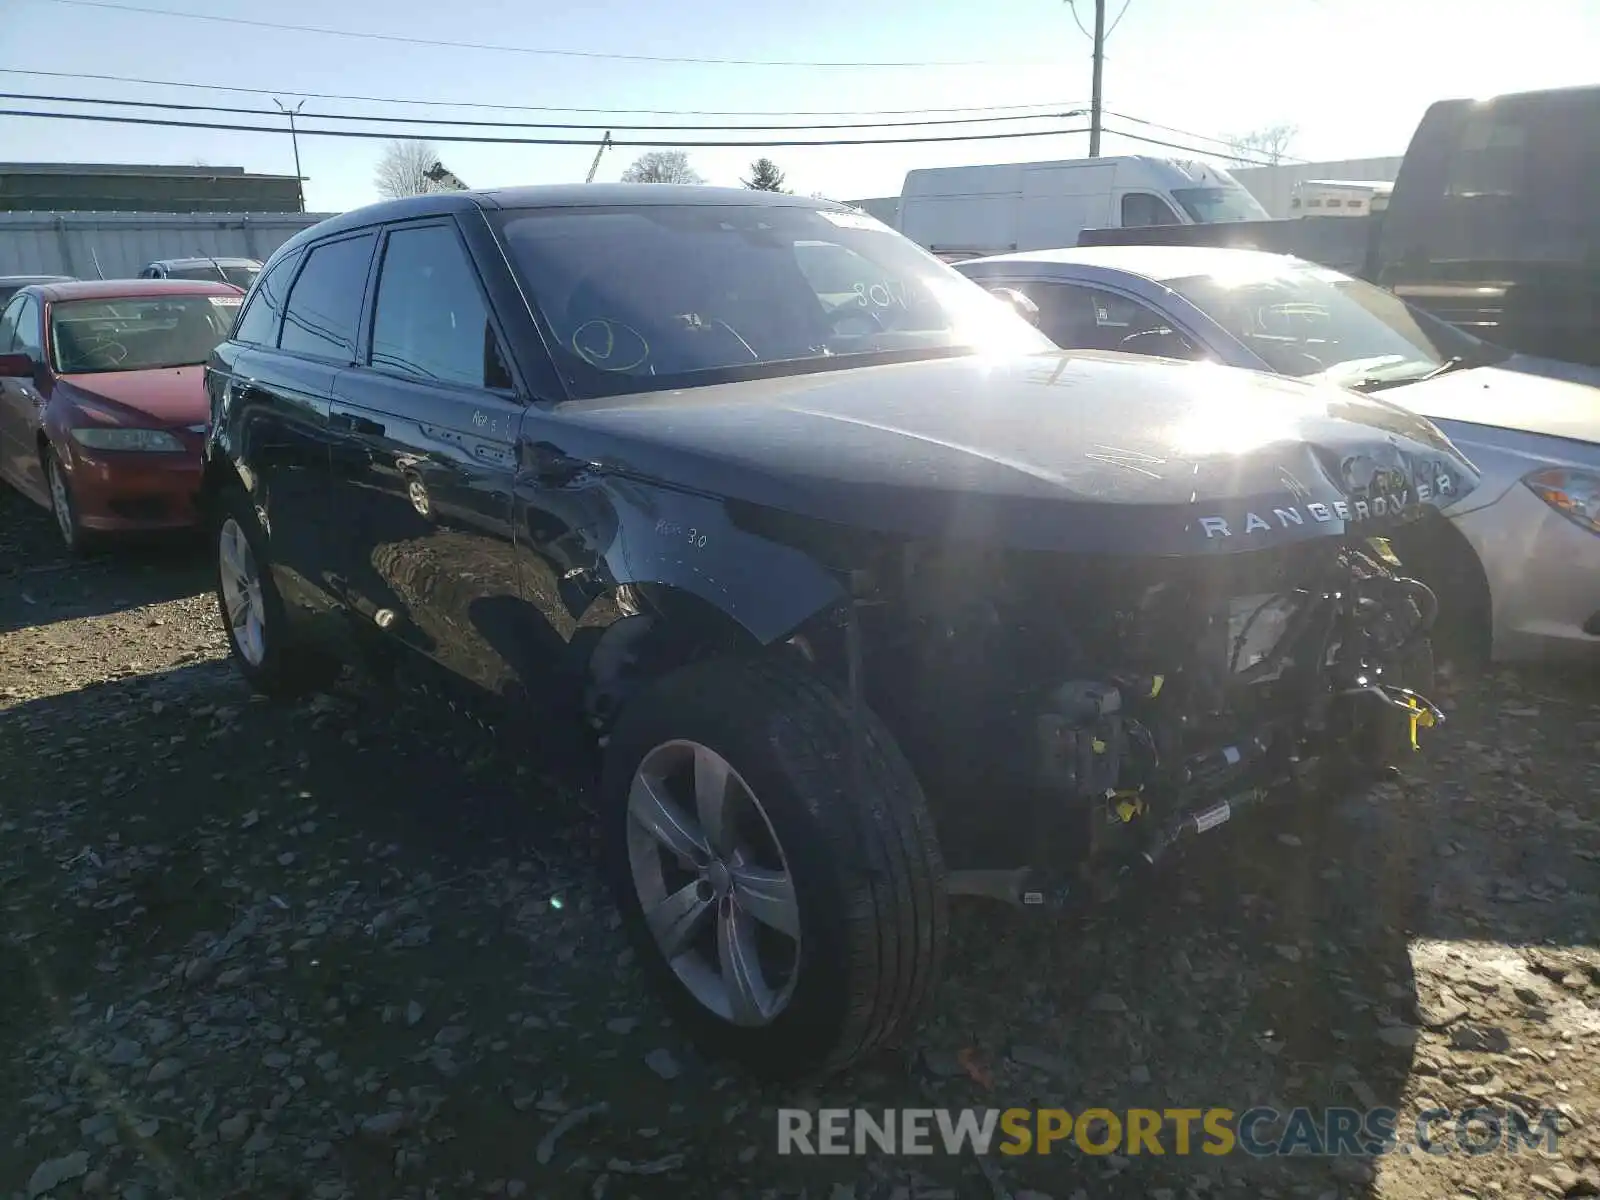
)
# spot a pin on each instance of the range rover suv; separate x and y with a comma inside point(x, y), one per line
point(867, 595)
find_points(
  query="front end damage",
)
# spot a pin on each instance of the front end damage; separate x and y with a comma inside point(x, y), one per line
point(1073, 717)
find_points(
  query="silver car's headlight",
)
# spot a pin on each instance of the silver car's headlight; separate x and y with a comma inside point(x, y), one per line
point(1573, 493)
point(105, 437)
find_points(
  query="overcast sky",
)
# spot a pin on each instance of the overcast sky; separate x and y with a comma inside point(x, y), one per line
point(1353, 75)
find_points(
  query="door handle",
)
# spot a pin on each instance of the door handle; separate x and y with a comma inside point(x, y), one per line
point(355, 424)
point(543, 463)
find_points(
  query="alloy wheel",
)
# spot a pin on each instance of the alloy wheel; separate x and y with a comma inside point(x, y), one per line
point(61, 501)
point(713, 883)
point(241, 592)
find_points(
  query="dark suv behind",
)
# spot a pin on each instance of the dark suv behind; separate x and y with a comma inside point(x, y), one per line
point(868, 595)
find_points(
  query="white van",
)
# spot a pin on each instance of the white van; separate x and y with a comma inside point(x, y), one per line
point(1338, 198)
point(965, 212)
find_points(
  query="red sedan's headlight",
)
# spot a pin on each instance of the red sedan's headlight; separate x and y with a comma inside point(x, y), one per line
point(110, 437)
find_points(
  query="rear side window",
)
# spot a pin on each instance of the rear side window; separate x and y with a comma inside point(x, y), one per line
point(8, 326)
point(429, 320)
point(258, 324)
point(324, 307)
point(28, 339)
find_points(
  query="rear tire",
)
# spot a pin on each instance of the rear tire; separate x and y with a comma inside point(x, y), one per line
point(259, 635)
point(864, 871)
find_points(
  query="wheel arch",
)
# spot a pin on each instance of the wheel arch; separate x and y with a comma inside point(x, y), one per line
point(652, 628)
point(1439, 554)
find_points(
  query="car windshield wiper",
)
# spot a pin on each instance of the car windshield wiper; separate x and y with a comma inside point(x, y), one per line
point(1374, 383)
point(1454, 362)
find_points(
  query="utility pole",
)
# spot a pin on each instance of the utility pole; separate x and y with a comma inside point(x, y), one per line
point(294, 139)
point(1099, 71)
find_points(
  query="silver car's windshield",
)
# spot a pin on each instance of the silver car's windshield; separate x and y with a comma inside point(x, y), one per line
point(1305, 320)
point(653, 296)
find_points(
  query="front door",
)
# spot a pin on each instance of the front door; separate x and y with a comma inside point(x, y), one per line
point(423, 464)
point(21, 400)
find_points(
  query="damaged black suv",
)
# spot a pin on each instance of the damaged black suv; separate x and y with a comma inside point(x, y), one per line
point(867, 595)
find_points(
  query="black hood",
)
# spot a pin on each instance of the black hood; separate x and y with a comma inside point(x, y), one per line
point(1102, 453)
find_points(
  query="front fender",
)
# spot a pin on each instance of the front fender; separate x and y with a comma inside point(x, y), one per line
point(689, 543)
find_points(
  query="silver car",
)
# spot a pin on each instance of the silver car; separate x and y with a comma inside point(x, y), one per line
point(1526, 568)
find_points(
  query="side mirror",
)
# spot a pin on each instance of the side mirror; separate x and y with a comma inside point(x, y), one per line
point(1025, 308)
point(18, 366)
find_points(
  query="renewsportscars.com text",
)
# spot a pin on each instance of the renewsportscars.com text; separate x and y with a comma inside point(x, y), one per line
point(1258, 1132)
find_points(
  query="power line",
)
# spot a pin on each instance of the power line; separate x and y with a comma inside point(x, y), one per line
point(1199, 137)
point(413, 121)
point(631, 143)
point(324, 31)
point(1048, 107)
point(560, 108)
point(1230, 156)
point(526, 141)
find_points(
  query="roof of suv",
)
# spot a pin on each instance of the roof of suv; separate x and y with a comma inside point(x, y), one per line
point(553, 195)
point(116, 289)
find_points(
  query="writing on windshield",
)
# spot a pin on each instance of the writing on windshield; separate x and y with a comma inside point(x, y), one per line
point(651, 296)
point(138, 333)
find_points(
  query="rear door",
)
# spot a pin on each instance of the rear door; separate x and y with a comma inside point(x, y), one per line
point(274, 378)
point(425, 460)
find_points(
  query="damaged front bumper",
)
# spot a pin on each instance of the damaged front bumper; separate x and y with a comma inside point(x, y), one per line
point(1319, 703)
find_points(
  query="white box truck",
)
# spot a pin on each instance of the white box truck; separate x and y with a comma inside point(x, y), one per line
point(965, 212)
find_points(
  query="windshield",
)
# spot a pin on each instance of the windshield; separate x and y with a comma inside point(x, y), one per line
point(648, 297)
point(137, 333)
point(1304, 320)
point(1206, 205)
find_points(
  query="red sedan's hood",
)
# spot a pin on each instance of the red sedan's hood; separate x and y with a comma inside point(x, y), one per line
point(167, 396)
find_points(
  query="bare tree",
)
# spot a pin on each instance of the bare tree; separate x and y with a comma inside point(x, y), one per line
point(662, 166)
point(403, 169)
point(1270, 143)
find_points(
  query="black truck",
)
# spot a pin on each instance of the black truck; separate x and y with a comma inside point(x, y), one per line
point(1493, 224)
point(865, 598)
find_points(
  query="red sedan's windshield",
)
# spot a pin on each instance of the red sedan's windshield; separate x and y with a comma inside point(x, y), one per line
point(137, 333)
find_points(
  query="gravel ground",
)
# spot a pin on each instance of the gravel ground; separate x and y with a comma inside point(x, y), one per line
point(343, 949)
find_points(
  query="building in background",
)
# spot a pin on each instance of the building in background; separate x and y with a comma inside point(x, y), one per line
point(132, 187)
point(1274, 187)
point(106, 221)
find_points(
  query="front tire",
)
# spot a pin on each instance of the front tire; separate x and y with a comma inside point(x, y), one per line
point(259, 637)
point(77, 540)
point(789, 923)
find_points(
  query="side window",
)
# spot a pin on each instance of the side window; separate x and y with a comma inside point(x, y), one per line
point(429, 320)
point(1081, 318)
point(1140, 209)
point(28, 339)
point(8, 325)
point(258, 323)
point(324, 307)
point(1491, 158)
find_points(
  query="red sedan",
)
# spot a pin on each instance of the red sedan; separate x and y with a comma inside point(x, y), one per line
point(103, 406)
